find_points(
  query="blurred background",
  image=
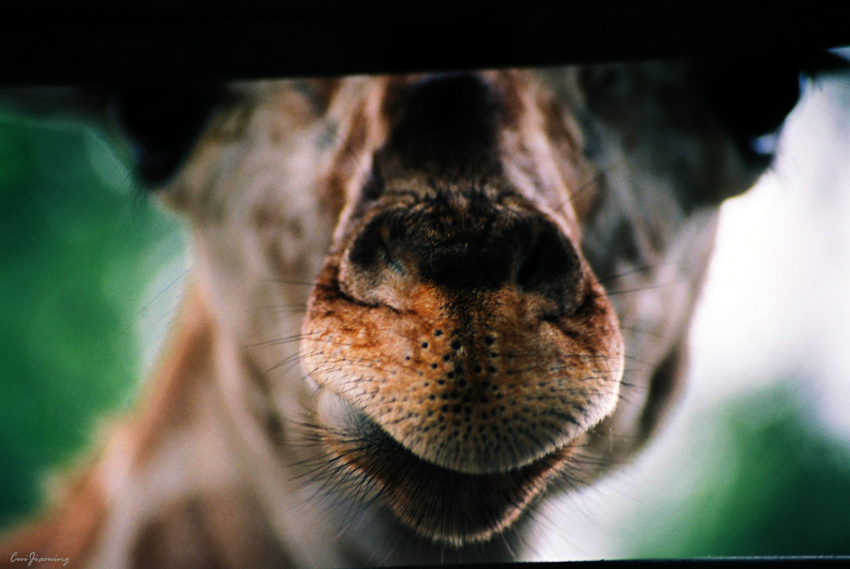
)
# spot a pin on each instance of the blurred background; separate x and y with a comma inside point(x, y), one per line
point(90, 275)
point(756, 460)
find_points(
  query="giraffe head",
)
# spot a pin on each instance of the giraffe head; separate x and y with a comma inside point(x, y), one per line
point(503, 264)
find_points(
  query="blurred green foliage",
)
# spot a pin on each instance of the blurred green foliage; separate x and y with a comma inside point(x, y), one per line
point(765, 481)
point(78, 247)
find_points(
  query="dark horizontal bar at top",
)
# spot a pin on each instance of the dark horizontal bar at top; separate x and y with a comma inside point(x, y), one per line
point(60, 42)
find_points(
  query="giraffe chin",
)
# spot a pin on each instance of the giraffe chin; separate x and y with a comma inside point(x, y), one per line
point(440, 504)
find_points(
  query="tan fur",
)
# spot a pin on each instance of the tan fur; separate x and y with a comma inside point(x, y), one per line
point(461, 356)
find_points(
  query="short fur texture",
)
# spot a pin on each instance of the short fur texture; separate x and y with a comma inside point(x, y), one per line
point(498, 269)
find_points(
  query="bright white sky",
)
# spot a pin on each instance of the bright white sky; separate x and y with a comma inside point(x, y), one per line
point(778, 298)
point(776, 306)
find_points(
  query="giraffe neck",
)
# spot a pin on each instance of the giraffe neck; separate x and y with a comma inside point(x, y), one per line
point(166, 486)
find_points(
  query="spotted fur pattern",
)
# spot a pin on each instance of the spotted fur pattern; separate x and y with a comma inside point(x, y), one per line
point(498, 271)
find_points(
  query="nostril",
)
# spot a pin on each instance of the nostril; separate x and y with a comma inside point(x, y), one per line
point(373, 270)
point(372, 250)
point(394, 252)
point(364, 251)
point(550, 266)
point(392, 262)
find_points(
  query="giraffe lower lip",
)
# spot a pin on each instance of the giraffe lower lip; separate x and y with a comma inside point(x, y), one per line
point(437, 503)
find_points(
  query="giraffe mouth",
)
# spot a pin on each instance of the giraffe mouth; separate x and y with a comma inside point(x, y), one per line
point(436, 502)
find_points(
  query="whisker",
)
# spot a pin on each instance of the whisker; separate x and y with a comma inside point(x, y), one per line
point(643, 288)
point(294, 308)
point(276, 342)
point(634, 271)
point(585, 186)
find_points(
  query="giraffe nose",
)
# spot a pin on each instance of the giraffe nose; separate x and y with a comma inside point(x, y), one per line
point(497, 250)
